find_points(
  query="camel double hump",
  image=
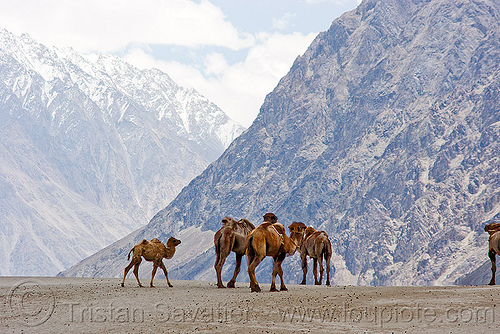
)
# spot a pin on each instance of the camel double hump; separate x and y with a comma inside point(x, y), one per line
point(270, 239)
point(153, 251)
point(317, 246)
point(230, 238)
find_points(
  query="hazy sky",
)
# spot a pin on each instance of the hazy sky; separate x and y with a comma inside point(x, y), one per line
point(232, 51)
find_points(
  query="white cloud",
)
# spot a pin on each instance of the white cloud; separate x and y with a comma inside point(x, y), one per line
point(215, 64)
point(238, 89)
point(284, 21)
point(111, 25)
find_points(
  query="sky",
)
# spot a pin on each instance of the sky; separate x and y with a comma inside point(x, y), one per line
point(233, 52)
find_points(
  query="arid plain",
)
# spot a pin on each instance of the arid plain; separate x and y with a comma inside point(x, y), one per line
point(86, 305)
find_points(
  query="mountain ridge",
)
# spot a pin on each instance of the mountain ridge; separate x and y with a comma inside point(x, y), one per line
point(92, 147)
point(383, 134)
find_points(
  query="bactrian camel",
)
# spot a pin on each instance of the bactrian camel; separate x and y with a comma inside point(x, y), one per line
point(230, 237)
point(494, 247)
point(270, 239)
point(153, 251)
point(317, 246)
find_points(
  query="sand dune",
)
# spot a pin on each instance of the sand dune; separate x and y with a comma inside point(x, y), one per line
point(86, 305)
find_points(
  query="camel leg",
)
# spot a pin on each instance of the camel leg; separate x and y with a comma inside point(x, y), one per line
point(153, 273)
point(251, 272)
point(217, 272)
point(219, 262)
point(275, 272)
point(231, 283)
point(280, 272)
point(136, 271)
point(162, 266)
point(315, 270)
point(250, 257)
point(127, 268)
point(320, 260)
point(303, 257)
point(327, 260)
point(492, 256)
point(256, 252)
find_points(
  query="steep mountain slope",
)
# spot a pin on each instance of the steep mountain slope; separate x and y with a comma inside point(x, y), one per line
point(385, 133)
point(91, 148)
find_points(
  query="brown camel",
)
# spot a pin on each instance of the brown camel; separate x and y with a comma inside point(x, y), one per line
point(494, 247)
point(230, 237)
point(153, 251)
point(270, 239)
point(317, 246)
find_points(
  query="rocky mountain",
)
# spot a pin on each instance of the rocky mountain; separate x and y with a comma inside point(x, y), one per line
point(385, 133)
point(91, 148)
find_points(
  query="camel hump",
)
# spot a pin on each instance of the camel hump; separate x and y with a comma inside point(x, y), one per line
point(246, 223)
point(310, 230)
point(266, 224)
point(324, 233)
point(279, 227)
point(155, 240)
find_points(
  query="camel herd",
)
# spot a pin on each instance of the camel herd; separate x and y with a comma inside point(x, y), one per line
point(268, 239)
point(243, 238)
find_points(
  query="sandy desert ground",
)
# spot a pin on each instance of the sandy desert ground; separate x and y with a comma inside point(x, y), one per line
point(86, 305)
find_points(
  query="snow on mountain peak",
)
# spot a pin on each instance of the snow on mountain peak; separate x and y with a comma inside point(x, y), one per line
point(91, 148)
point(89, 71)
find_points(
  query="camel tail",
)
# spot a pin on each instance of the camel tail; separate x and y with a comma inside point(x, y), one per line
point(249, 247)
point(128, 256)
point(327, 250)
point(217, 244)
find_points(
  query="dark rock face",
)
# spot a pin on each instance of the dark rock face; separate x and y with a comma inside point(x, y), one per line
point(385, 133)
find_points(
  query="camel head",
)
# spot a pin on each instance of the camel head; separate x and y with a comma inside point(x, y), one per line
point(492, 228)
point(270, 217)
point(173, 242)
point(297, 230)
